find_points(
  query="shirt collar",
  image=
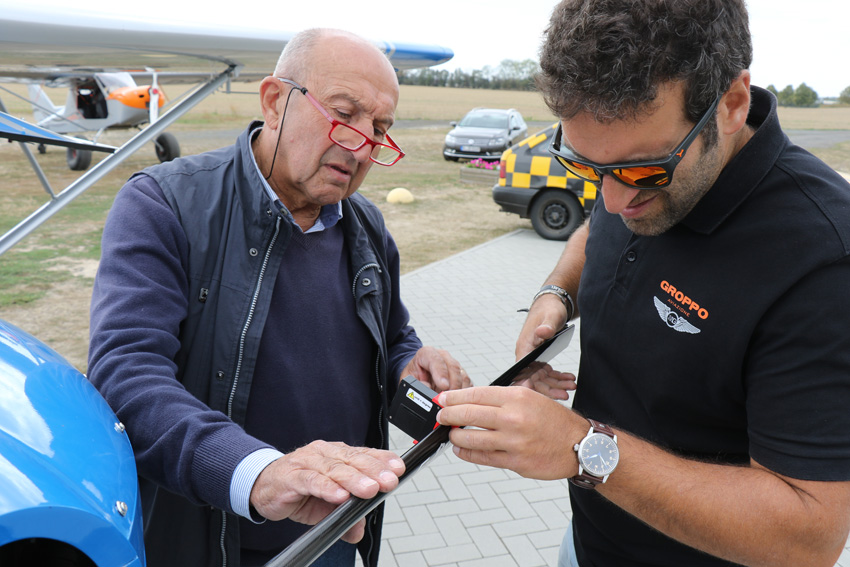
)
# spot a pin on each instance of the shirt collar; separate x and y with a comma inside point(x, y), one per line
point(329, 215)
point(746, 169)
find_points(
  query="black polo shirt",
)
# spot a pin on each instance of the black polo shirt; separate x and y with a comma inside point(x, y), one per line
point(724, 339)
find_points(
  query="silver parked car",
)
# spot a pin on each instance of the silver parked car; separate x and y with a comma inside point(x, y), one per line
point(484, 133)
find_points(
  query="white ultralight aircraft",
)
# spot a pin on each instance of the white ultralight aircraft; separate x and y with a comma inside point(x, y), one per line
point(95, 103)
point(98, 58)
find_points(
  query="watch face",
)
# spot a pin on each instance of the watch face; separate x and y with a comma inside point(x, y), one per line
point(598, 454)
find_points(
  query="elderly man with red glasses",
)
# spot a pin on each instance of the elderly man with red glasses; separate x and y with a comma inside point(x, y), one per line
point(246, 324)
point(710, 424)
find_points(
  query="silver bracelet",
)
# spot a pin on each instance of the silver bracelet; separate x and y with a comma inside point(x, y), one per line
point(562, 294)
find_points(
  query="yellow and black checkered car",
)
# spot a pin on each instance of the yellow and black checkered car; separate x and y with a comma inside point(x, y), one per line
point(534, 185)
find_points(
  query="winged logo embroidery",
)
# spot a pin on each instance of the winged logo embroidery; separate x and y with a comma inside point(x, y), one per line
point(672, 319)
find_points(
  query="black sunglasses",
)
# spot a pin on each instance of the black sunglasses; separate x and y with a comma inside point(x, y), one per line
point(651, 174)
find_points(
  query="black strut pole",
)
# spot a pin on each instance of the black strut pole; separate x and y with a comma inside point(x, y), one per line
point(306, 549)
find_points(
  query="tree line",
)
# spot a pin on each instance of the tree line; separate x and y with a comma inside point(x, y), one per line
point(508, 75)
point(519, 76)
point(803, 95)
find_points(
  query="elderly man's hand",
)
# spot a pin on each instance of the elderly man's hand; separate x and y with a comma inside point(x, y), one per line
point(437, 369)
point(307, 484)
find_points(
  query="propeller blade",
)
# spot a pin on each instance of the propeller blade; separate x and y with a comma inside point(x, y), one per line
point(155, 93)
point(154, 104)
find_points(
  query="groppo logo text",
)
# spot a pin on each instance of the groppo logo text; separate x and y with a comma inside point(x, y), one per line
point(683, 300)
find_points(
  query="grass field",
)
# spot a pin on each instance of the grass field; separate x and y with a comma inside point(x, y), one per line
point(45, 281)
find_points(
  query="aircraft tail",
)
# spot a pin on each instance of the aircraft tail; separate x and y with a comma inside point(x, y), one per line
point(42, 107)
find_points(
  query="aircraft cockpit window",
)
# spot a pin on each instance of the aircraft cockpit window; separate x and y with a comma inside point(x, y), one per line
point(91, 102)
point(112, 81)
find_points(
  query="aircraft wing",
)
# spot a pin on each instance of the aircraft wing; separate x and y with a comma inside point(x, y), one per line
point(41, 44)
point(18, 130)
point(61, 45)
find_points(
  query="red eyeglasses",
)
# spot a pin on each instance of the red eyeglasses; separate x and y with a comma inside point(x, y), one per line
point(350, 138)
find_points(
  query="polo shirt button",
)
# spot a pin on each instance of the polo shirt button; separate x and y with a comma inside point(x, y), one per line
point(631, 256)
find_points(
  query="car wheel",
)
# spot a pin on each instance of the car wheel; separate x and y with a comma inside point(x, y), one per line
point(555, 214)
point(78, 160)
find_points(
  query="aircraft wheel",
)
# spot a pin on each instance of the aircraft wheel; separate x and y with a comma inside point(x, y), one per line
point(167, 147)
point(78, 160)
point(555, 214)
point(42, 149)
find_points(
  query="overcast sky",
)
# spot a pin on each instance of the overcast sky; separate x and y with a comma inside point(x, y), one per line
point(794, 41)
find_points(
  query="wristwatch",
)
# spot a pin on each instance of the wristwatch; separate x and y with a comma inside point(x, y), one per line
point(597, 454)
point(562, 294)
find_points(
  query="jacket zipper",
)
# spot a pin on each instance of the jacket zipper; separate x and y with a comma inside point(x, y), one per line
point(250, 318)
point(239, 364)
point(380, 389)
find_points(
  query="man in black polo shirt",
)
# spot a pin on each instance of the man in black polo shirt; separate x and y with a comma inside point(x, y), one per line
point(710, 424)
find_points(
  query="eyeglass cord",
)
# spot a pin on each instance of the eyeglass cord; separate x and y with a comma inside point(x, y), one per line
point(279, 133)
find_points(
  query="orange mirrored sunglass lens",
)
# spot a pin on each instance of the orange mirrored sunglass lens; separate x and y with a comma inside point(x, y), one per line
point(580, 170)
point(642, 176)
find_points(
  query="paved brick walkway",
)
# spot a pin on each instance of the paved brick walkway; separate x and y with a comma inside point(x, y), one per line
point(452, 513)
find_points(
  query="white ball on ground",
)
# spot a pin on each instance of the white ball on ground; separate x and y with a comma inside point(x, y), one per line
point(400, 195)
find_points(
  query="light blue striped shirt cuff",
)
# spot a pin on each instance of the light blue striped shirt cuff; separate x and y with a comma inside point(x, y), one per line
point(243, 480)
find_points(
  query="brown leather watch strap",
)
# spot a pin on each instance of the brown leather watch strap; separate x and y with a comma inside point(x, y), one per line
point(601, 428)
point(586, 481)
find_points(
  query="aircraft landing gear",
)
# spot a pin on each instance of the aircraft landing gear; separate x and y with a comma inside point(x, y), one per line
point(78, 160)
point(167, 147)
